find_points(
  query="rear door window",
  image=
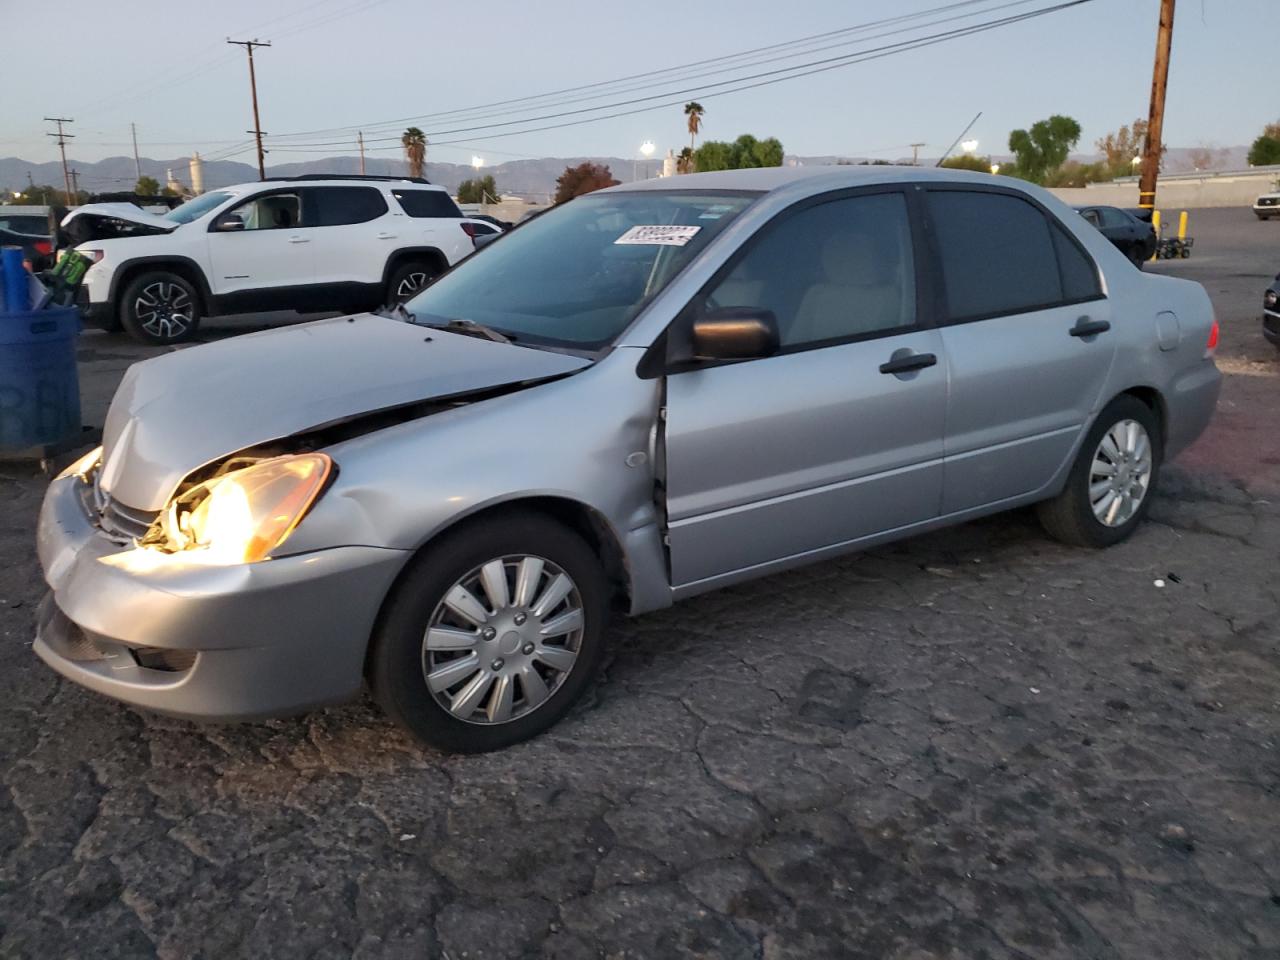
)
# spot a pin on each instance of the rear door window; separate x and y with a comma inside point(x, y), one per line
point(338, 206)
point(998, 254)
point(427, 203)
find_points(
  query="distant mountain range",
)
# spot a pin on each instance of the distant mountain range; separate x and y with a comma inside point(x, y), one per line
point(532, 179)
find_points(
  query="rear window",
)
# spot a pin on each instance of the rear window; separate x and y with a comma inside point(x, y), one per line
point(1000, 255)
point(427, 203)
point(343, 205)
point(25, 224)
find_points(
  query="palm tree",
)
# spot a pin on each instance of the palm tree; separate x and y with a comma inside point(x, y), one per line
point(693, 111)
point(415, 150)
point(684, 162)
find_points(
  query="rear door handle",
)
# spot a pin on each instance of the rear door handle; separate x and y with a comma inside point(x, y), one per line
point(905, 364)
point(386, 236)
point(1089, 328)
point(299, 239)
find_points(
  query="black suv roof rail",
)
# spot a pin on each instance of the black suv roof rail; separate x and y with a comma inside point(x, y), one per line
point(349, 176)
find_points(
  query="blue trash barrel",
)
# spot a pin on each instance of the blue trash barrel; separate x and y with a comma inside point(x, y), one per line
point(39, 383)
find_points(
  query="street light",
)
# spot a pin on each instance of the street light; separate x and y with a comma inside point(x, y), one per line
point(995, 168)
point(646, 149)
point(969, 146)
point(476, 164)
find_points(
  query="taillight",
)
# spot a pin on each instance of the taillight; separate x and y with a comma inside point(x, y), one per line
point(43, 247)
point(93, 255)
point(470, 230)
point(1212, 345)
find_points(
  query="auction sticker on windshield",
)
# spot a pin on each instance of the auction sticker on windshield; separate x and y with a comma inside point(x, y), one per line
point(663, 236)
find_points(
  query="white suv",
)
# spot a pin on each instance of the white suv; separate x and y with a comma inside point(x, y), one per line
point(298, 243)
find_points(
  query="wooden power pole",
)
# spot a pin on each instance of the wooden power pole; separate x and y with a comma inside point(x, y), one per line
point(253, 89)
point(360, 140)
point(1155, 121)
point(137, 164)
point(62, 145)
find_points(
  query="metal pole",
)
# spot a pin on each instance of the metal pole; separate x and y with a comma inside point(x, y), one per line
point(137, 165)
point(946, 153)
point(1155, 121)
point(253, 90)
point(360, 140)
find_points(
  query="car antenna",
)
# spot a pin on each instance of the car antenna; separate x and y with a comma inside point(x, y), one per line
point(958, 139)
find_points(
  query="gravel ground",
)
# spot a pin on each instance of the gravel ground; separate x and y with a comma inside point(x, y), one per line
point(973, 744)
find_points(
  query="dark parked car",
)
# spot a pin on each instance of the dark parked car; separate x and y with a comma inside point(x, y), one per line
point(1271, 312)
point(37, 249)
point(1131, 232)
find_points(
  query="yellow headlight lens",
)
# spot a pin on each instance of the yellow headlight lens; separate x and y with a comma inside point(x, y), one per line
point(250, 512)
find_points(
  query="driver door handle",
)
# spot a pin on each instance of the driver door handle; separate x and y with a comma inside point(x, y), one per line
point(299, 239)
point(386, 236)
point(1089, 328)
point(913, 361)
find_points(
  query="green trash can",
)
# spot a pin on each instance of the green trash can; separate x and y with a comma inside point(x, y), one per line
point(39, 382)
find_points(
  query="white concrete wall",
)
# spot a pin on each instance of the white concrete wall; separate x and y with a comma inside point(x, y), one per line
point(1182, 192)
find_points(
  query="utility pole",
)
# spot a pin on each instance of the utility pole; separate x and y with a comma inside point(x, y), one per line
point(137, 164)
point(75, 183)
point(915, 153)
point(62, 145)
point(360, 139)
point(1155, 121)
point(253, 89)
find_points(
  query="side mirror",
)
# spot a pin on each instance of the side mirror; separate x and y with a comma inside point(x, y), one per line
point(485, 238)
point(232, 221)
point(735, 333)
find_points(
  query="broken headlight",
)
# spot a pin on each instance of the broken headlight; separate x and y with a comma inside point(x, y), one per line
point(242, 515)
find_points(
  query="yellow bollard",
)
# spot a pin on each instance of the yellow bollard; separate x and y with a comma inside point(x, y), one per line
point(1182, 226)
point(1155, 222)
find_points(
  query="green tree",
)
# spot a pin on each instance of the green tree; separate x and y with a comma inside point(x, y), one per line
point(478, 191)
point(1044, 148)
point(743, 153)
point(693, 112)
point(41, 195)
point(1265, 151)
point(584, 178)
point(967, 161)
point(414, 142)
point(147, 187)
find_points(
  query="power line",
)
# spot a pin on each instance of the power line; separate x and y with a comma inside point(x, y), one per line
point(855, 28)
point(762, 79)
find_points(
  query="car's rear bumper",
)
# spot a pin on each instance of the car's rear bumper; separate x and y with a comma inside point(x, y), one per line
point(1191, 405)
point(198, 641)
point(96, 314)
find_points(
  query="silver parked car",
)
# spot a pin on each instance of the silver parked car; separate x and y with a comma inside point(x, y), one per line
point(648, 393)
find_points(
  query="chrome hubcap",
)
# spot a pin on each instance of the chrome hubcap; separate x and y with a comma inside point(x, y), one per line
point(164, 309)
point(503, 639)
point(410, 285)
point(1120, 473)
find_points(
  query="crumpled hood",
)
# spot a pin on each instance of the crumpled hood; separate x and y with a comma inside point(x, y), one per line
point(182, 410)
point(121, 211)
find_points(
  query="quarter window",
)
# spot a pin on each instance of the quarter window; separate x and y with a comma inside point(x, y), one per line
point(834, 271)
point(427, 203)
point(999, 255)
point(344, 205)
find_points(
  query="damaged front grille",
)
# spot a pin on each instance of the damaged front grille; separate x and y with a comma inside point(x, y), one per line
point(118, 521)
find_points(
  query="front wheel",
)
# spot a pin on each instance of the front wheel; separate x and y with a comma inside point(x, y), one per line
point(160, 307)
point(407, 281)
point(1111, 483)
point(492, 634)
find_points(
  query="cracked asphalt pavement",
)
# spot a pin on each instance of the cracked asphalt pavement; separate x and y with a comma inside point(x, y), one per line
point(977, 743)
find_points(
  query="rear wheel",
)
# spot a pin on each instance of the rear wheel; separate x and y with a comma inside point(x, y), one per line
point(160, 307)
point(407, 280)
point(1111, 483)
point(492, 634)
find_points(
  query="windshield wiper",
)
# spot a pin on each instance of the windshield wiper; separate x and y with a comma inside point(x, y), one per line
point(471, 328)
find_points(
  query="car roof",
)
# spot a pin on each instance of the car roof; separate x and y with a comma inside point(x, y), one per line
point(769, 179)
point(285, 182)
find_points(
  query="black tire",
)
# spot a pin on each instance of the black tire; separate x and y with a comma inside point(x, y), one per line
point(407, 280)
point(176, 315)
point(1069, 516)
point(397, 672)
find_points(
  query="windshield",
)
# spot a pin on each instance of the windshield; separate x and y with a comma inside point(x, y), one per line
point(196, 207)
point(577, 275)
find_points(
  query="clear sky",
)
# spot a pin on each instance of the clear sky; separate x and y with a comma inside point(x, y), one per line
point(167, 67)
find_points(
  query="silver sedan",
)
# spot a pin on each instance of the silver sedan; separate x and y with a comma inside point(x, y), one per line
point(650, 392)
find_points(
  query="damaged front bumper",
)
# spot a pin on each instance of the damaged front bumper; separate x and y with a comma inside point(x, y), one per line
point(215, 642)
